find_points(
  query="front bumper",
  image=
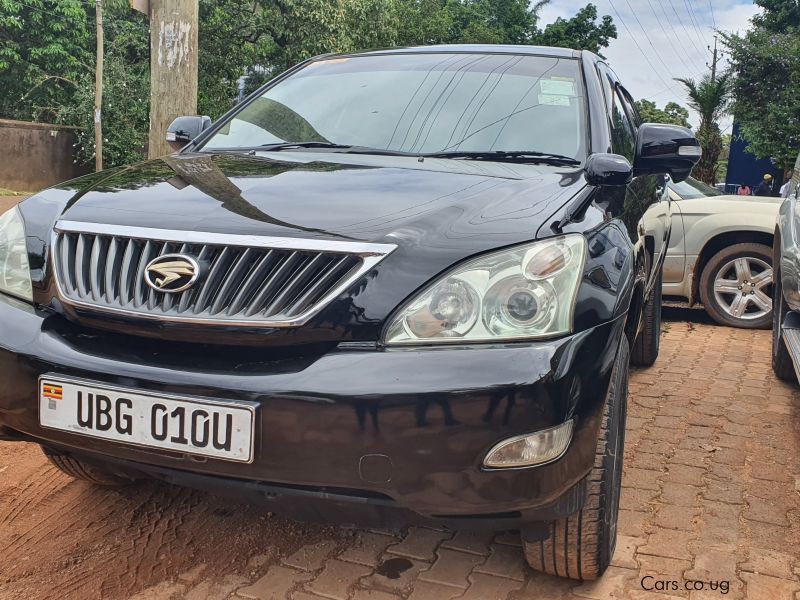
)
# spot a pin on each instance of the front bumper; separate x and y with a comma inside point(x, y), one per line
point(405, 428)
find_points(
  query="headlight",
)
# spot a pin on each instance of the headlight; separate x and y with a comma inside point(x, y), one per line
point(519, 293)
point(15, 275)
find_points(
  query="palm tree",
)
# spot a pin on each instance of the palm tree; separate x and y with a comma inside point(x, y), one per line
point(711, 98)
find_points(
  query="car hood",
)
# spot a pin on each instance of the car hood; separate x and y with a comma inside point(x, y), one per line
point(436, 211)
point(472, 205)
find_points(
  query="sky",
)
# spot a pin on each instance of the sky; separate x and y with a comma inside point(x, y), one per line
point(658, 40)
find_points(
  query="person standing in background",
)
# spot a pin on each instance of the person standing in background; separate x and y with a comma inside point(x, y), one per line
point(786, 187)
point(744, 190)
point(765, 187)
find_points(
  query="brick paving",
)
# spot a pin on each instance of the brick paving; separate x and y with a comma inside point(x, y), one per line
point(7, 202)
point(711, 494)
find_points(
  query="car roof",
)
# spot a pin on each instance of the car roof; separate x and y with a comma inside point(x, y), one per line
point(476, 49)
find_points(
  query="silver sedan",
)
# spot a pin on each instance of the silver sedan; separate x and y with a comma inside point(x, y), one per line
point(720, 253)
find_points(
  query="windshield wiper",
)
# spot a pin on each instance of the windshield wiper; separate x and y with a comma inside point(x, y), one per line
point(340, 148)
point(292, 145)
point(511, 155)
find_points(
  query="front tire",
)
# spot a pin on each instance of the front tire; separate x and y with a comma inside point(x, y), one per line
point(648, 342)
point(580, 546)
point(78, 469)
point(736, 286)
point(782, 363)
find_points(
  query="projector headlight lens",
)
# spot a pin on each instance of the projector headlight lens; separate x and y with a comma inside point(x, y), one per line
point(525, 292)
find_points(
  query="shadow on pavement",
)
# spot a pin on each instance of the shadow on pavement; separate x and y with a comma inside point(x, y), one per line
point(674, 312)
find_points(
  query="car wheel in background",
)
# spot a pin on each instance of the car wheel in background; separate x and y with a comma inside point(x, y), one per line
point(736, 286)
point(645, 348)
point(78, 469)
point(781, 361)
point(580, 546)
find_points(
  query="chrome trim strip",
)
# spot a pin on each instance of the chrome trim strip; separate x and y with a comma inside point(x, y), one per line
point(225, 239)
point(239, 404)
point(371, 254)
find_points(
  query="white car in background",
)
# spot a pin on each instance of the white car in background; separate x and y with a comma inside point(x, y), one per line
point(720, 253)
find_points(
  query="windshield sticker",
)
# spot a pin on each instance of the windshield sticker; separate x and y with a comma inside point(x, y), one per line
point(328, 61)
point(557, 88)
point(554, 100)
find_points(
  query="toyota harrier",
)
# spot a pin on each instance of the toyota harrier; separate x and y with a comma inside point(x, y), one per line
point(393, 286)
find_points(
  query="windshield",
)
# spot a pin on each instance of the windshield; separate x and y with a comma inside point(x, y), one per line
point(690, 189)
point(421, 103)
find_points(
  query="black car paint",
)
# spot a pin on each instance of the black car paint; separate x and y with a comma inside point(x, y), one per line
point(330, 393)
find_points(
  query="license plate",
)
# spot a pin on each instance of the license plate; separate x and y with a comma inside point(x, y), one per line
point(192, 425)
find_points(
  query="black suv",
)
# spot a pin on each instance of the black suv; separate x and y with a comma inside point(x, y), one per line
point(389, 286)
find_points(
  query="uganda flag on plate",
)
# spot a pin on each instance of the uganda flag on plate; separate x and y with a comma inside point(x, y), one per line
point(53, 392)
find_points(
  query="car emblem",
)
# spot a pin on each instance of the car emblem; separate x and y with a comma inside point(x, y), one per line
point(172, 273)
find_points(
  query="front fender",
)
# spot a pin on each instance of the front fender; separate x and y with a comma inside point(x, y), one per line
point(711, 226)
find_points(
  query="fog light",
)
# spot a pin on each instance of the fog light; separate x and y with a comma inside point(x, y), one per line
point(531, 449)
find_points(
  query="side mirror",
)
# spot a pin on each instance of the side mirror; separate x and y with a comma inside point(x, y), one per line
point(666, 149)
point(608, 169)
point(184, 129)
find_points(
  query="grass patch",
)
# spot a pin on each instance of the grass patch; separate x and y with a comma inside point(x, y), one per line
point(7, 192)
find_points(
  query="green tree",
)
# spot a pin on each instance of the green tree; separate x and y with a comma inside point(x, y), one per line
point(233, 36)
point(126, 97)
point(779, 16)
point(766, 64)
point(47, 50)
point(672, 113)
point(45, 53)
point(499, 22)
point(581, 32)
point(722, 163)
point(423, 22)
point(711, 99)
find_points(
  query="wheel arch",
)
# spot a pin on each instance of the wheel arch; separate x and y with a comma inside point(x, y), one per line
point(634, 318)
point(720, 241)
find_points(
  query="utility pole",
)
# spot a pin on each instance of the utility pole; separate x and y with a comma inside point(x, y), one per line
point(714, 60)
point(173, 67)
point(98, 89)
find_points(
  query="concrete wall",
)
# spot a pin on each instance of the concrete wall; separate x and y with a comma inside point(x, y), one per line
point(34, 156)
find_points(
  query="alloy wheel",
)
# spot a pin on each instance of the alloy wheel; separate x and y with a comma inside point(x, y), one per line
point(743, 288)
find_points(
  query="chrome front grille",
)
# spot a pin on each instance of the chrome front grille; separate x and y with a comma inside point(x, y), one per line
point(246, 280)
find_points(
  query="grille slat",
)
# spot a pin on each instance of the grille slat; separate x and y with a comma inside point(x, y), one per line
point(128, 267)
point(232, 279)
point(209, 286)
point(249, 281)
point(297, 282)
point(318, 287)
point(67, 267)
point(81, 271)
point(113, 261)
point(94, 268)
point(270, 286)
point(250, 284)
point(141, 289)
point(189, 295)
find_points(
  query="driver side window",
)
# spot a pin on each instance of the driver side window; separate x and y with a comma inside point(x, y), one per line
point(623, 130)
